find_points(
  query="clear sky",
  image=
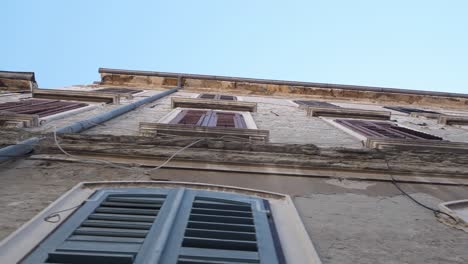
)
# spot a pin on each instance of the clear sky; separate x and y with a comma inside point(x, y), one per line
point(413, 44)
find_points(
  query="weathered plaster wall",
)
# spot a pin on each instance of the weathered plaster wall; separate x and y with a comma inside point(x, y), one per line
point(348, 221)
point(288, 123)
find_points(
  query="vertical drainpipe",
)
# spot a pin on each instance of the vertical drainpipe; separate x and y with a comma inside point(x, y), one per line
point(24, 147)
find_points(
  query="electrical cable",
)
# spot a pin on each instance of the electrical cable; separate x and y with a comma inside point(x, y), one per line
point(395, 183)
point(57, 214)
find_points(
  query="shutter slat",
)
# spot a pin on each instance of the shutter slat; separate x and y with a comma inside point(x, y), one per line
point(119, 210)
point(221, 226)
point(89, 258)
point(92, 246)
point(131, 205)
point(122, 217)
point(139, 200)
point(214, 205)
point(221, 212)
point(106, 239)
point(221, 219)
point(219, 244)
point(220, 255)
point(220, 234)
point(111, 232)
point(116, 224)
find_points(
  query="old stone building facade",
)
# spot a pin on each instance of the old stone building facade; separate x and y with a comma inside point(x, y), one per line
point(236, 170)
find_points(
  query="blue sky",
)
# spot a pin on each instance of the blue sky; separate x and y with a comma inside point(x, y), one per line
point(405, 44)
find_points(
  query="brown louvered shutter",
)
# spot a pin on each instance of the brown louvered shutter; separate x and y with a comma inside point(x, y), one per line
point(315, 103)
point(218, 97)
point(384, 130)
point(119, 90)
point(207, 96)
point(224, 119)
point(190, 117)
point(40, 107)
point(227, 97)
point(409, 110)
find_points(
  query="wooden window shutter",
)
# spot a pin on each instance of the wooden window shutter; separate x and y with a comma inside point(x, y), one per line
point(119, 90)
point(384, 130)
point(226, 119)
point(315, 103)
point(151, 225)
point(408, 110)
point(40, 107)
point(218, 97)
point(207, 96)
point(114, 226)
point(227, 97)
point(190, 117)
point(214, 227)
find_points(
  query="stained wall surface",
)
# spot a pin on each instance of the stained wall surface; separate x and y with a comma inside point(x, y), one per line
point(348, 221)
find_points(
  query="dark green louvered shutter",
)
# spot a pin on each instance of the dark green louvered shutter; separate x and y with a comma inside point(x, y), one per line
point(111, 227)
point(217, 228)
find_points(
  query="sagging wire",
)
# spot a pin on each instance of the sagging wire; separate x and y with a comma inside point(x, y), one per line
point(124, 167)
point(436, 212)
point(57, 215)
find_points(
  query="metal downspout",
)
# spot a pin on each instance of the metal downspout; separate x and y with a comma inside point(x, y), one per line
point(26, 146)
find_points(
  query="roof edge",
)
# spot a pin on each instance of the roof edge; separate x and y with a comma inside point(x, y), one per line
point(28, 76)
point(280, 82)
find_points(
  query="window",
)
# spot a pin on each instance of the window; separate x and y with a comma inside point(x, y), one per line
point(218, 97)
point(119, 90)
point(40, 107)
point(314, 103)
point(163, 225)
point(408, 110)
point(376, 129)
point(209, 118)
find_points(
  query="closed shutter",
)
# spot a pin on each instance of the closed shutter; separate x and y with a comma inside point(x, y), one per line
point(150, 225)
point(218, 97)
point(119, 90)
point(315, 103)
point(408, 110)
point(227, 97)
point(207, 96)
point(112, 227)
point(191, 117)
point(225, 119)
point(220, 228)
point(210, 119)
point(384, 130)
point(40, 107)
